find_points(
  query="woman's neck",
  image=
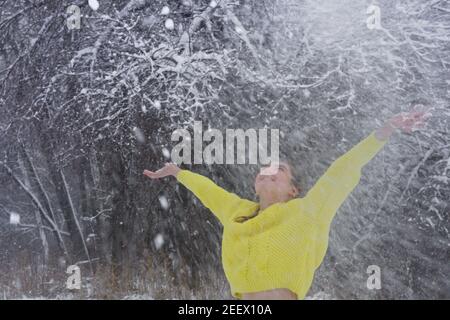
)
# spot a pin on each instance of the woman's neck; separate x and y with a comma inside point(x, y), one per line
point(268, 200)
point(265, 203)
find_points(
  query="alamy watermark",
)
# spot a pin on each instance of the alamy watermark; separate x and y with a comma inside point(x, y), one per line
point(374, 279)
point(74, 280)
point(222, 150)
point(73, 21)
point(374, 19)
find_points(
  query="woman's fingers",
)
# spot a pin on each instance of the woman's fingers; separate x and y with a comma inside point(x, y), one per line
point(161, 173)
point(149, 173)
point(153, 175)
point(411, 121)
point(418, 125)
point(421, 112)
point(167, 170)
point(415, 123)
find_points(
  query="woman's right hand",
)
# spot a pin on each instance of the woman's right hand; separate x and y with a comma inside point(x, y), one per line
point(169, 169)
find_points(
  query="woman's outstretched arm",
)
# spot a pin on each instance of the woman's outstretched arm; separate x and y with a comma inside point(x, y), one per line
point(221, 202)
point(330, 191)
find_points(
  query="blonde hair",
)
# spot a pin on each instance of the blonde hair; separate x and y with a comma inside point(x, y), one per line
point(242, 219)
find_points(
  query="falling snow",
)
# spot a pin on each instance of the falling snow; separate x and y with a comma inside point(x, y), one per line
point(169, 24)
point(14, 218)
point(159, 241)
point(139, 135)
point(93, 4)
point(164, 203)
point(85, 112)
point(166, 153)
point(165, 11)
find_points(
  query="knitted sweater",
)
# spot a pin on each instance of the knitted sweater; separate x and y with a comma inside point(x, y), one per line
point(285, 243)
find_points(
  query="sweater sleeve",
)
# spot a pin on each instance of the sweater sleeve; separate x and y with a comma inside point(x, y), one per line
point(330, 191)
point(221, 202)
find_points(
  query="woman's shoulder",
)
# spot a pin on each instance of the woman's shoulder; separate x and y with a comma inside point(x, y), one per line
point(300, 209)
point(295, 203)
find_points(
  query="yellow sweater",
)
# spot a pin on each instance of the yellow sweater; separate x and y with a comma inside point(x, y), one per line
point(285, 243)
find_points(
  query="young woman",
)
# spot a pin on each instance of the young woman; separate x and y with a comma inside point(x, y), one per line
point(271, 248)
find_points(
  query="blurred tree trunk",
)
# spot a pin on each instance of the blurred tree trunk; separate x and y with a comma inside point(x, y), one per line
point(37, 215)
point(37, 186)
point(48, 146)
point(114, 179)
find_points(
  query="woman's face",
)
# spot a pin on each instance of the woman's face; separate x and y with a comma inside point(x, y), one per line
point(275, 180)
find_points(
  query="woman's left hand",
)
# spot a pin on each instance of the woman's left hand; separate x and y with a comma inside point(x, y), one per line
point(409, 121)
point(405, 121)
